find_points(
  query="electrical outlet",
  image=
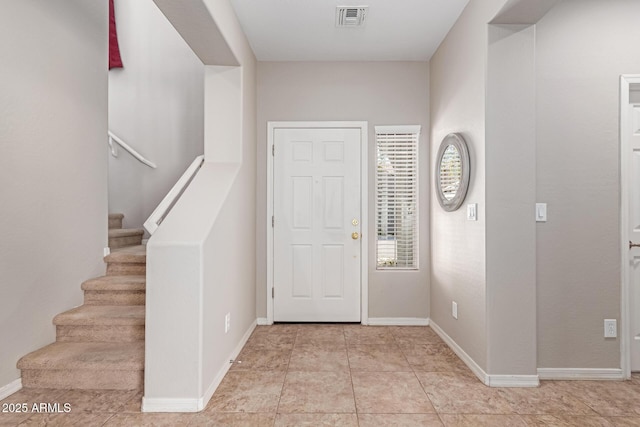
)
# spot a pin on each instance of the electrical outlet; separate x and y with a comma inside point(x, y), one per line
point(454, 309)
point(227, 322)
point(610, 328)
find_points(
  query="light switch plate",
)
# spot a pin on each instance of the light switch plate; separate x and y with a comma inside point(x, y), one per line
point(541, 212)
point(472, 212)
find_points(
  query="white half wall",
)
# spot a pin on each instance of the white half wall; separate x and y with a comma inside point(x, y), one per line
point(201, 260)
point(156, 105)
point(53, 165)
point(193, 276)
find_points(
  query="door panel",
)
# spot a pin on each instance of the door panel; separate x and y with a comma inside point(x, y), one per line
point(634, 236)
point(316, 186)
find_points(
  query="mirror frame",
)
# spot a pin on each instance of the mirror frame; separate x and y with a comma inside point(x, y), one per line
point(460, 144)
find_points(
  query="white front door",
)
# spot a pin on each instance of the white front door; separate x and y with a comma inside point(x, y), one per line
point(634, 233)
point(316, 240)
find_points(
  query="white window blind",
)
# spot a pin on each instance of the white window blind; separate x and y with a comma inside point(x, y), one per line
point(397, 197)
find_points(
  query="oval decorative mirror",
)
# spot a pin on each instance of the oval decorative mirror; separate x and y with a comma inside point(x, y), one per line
point(452, 172)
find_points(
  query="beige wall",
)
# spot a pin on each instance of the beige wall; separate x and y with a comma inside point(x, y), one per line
point(382, 93)
point(582, 48)
point(458, 246)
point(156, 104)
point(510, 184)
point(53, 165)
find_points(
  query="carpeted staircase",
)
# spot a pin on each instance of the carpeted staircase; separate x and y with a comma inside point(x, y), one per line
point(100, 344)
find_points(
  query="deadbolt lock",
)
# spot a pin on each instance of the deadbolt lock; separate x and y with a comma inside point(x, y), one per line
point(355, 222)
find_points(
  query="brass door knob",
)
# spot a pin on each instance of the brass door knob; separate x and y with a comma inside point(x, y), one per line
point(355, 235)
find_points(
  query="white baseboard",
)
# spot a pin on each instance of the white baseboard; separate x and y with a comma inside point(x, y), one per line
point(398, 321)
point(172, 404)
point(262, 321)
point(9, 389)
point(475, 368)
point(196, 404)
point(489, 380)
point(513, 381)
point(225, 368)
point(613, 374)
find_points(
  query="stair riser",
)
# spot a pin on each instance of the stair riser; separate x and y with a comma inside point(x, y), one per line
point(120, 333)
point(119, 242)
point(114, 297)
point(115, 223)
point(82, 379)
point(126, 269)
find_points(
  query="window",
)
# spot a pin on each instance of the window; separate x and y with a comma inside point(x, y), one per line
point(397, 197)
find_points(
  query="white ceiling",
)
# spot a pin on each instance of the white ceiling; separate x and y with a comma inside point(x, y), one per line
point(304, 30)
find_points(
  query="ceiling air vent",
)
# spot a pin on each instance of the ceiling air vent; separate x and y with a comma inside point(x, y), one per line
point(350, 16)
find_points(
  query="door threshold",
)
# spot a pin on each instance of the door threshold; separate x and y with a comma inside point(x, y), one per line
point(319, 323)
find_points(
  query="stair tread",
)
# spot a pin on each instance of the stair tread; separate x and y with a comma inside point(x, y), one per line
point(100, 344)
point(86, 355)
point(125, 232)
point(116, 283)
point(102, 315)
point(129, 254)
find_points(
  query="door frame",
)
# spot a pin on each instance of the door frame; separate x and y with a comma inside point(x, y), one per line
point(363, 126)
point(626, 80)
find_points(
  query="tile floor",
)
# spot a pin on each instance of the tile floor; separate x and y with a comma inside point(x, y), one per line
point(351, 375)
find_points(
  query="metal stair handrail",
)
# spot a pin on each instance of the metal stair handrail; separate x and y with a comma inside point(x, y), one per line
point(114, 151)
point(158, 215)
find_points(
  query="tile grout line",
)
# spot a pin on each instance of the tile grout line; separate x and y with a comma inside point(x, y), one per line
point(608, 410)
point(421, 385)
point(110, 418)
point(286, 373)
point(355, 405)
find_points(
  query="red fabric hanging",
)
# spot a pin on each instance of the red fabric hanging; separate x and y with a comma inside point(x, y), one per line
point(115, 61)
